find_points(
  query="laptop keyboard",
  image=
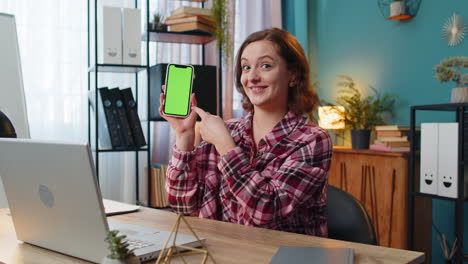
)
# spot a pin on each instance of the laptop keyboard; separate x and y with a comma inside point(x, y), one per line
point(136, 244)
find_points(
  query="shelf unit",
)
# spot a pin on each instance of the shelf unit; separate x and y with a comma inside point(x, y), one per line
point(460, 110)
point(197, 38)
point(193, 37)
point(95, 68)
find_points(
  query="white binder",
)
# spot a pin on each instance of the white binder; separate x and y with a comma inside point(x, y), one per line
point(110, 39)
point(131, 33)
point(448, 160)
point(429, 158)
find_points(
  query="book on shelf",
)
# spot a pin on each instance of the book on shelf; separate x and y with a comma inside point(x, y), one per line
point(207, 20)
point(133, 118)
point(393, 139)
point(109, 134)
point(392, 143)
point(158, 191)
point(394, 133)
point(122, 121)
point(392, 127)
point(191, 10)
point(388, 149)
point(191, 26)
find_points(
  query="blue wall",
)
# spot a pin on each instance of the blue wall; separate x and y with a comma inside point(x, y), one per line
point(353, 38)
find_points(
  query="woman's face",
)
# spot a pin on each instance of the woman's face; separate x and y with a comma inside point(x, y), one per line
point(265, 76)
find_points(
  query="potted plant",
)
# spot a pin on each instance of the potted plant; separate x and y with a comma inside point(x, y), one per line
point(158, 22)
point(362, 113)
point(120, 254)
point(222, 33)
point(450, 69)
point(397, 8)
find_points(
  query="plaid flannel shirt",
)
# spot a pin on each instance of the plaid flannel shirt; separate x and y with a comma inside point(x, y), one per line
point(282, 186)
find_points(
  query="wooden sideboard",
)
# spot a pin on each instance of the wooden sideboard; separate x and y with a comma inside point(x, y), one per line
point(380, 181)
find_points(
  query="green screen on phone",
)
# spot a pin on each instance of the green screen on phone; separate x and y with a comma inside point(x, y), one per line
point(178, 89)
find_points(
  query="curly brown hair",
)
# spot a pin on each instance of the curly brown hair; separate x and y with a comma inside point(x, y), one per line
point(302, 98)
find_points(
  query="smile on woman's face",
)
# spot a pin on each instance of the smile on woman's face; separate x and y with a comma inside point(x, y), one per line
point(265, 76)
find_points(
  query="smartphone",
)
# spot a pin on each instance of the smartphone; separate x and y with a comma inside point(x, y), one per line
point(179, 80)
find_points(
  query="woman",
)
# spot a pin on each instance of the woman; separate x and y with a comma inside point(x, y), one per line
point(267, 169)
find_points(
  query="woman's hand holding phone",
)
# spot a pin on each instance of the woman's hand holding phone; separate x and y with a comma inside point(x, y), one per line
point(183, 127)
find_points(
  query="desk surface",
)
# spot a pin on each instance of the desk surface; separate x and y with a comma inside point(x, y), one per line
point(228, 243)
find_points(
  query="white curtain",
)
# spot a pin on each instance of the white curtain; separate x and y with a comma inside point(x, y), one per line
point(251, 16)
point(52, 42)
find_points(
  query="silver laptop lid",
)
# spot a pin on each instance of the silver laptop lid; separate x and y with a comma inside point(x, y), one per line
point(53, 196)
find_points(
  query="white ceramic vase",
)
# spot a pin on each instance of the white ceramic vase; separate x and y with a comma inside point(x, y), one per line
point(397, 8)
point(131, 260)
point(459, 95)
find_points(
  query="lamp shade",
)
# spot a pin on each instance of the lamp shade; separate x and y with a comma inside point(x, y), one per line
point(331, 117)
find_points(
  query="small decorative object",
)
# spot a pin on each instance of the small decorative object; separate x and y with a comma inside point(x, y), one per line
point(362, 113)
point(173, 251)
point(158, 22)
point(450, 69)
point(120, 254)
point(449, 253)
point(399, 9)
point(454, 30)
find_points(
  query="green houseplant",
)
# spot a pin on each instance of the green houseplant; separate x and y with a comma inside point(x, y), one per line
point(450, 69)
point(222, 33)
point(120, 253)
point(362, 113)
point(158, 22)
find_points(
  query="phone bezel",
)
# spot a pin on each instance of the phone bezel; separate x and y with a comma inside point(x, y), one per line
point(166, 90)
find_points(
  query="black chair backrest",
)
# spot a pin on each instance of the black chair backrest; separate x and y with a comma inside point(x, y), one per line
point(347, 218)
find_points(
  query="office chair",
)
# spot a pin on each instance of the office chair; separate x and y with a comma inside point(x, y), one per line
point(347, 218)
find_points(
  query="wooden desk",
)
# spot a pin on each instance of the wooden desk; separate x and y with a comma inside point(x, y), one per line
point(228, 243)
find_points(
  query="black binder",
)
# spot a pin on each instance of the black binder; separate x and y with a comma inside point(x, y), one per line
point(132, 116)
point(109, 134)
point(204, 87)
point(122, 122)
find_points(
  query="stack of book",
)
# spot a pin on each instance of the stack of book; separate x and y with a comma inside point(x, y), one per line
point(187, 18)
point(158, 179)
point(119, 123)
point(391, 138)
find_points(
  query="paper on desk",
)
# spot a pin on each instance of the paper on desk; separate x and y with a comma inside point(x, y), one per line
point(114, 208)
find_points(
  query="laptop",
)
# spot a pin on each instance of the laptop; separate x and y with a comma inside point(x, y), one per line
point(55, 202)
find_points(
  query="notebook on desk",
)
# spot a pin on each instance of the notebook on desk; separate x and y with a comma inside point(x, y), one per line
point(112, 207)
point(55, 202)
point(319, 255)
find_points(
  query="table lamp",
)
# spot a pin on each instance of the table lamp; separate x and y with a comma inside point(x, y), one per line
point(332, 118)
point(6, 127)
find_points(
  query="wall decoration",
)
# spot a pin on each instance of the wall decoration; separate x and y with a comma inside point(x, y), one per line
point(399, 9)
point(454, 30)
